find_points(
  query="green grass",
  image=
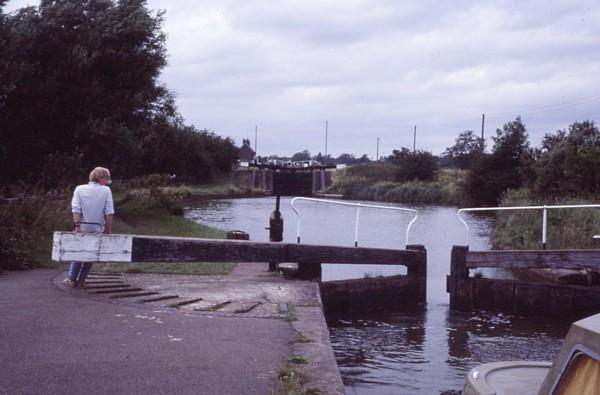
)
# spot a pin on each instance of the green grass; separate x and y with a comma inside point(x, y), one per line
point(160, 222)
point(289, 381)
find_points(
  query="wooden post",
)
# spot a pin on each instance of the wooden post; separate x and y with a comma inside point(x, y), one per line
point(418, 272)
point(458, 272)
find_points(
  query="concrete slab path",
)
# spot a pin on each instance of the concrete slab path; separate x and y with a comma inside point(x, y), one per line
point(57, 342)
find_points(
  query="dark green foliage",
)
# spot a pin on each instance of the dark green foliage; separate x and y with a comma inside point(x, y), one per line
point(506, 168)
point(466, 148)
point(27, 221)
point(79, 88)
point(569, 162)
point(411, 166)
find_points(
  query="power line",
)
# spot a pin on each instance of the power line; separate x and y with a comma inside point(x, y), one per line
point(552, 107)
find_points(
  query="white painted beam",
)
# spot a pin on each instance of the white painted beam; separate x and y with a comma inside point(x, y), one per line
point(91, 247)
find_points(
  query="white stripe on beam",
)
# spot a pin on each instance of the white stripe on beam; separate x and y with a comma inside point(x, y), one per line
point(91, 247)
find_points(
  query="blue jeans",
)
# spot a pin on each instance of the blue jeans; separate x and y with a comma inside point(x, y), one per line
point(78, 271)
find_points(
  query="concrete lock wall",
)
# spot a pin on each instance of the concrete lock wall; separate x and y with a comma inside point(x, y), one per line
point(514, 296)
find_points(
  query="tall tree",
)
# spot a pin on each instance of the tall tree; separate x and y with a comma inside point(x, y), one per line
point(506, 168)
point(466, 146)
point(567, 162)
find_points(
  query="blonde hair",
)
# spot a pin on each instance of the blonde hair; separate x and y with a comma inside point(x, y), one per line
point(98, 173)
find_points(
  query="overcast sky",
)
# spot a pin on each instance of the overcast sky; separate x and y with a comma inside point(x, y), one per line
point(377, 68)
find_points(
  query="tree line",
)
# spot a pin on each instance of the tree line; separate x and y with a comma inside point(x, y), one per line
point(564, 166)
point(79, 87)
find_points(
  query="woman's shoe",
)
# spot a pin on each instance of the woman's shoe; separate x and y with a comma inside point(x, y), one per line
point(80, 284)
point(70, 283)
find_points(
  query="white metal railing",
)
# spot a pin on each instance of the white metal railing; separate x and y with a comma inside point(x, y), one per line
point(358, 207)
point(544, 214)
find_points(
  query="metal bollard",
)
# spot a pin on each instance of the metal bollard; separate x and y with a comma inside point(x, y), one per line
point(275, 229)
point(275, 226)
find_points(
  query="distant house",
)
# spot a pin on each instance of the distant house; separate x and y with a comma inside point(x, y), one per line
point(246, 154)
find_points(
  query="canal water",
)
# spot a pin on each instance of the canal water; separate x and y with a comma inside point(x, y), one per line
point(417, 351)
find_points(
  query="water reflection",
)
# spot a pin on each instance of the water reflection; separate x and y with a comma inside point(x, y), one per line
point(409, 352)
point(378, 351)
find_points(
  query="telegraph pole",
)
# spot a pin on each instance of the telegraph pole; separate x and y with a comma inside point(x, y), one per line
point(415, 140)
point(377, 149)
point(326, 126)
point(256, 141)
point(482, 132)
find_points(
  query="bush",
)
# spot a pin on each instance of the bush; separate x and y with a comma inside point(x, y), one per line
point(419, 165)
point(27, 220)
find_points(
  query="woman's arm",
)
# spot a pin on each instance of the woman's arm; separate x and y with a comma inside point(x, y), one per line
point(76, 220)
point(76, 209)
point(108, 223)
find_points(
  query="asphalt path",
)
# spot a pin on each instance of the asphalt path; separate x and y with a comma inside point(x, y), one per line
point(54, 341)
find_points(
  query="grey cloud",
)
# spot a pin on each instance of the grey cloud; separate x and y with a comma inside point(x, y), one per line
point(376, 68)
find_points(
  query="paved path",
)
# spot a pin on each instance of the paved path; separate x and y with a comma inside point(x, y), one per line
point(58, 342)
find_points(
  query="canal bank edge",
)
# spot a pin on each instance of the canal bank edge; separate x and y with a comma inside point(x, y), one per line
point(314, 344)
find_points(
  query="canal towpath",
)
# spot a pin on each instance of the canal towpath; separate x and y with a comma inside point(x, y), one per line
point(62, 340)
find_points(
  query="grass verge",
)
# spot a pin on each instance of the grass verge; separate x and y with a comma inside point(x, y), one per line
point(566, 228)
point(237, 184)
